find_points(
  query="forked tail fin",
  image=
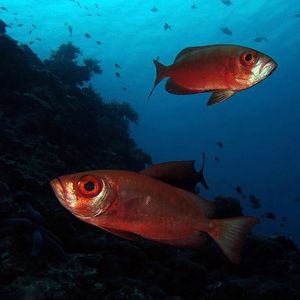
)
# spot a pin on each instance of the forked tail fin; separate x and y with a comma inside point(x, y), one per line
point(201, 173)
point(160, 75)
point(230, 234)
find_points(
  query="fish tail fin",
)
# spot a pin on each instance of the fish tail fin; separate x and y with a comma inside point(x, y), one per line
point(230, 234)
point(201, 173)
point(160, 75)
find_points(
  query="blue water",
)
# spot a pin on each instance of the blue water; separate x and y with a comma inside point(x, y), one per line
point(259, 127)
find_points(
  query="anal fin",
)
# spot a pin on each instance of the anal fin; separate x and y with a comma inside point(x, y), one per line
point(174, 88)
point(123, 234)
point(195, 241)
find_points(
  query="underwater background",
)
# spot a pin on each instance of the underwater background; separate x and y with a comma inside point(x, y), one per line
point(258, 130)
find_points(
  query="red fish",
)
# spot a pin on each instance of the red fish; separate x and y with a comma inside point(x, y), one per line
point(221, 69)
point(130, 204)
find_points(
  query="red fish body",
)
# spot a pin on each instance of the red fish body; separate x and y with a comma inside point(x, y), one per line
point(129, 204)
point(221, 69)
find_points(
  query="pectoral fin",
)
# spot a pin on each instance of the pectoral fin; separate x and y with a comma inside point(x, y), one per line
point(219, 96)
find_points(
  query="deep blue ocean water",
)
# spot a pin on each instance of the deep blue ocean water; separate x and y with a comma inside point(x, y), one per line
point(259, 127)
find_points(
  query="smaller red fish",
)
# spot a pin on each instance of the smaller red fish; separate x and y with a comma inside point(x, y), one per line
point(221, 69)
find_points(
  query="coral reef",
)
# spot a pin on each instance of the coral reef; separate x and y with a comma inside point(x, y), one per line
point(51, 126)
point(64, 65)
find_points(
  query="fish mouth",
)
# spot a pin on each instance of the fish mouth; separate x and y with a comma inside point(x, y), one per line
point(268, 68)
point(58, 190)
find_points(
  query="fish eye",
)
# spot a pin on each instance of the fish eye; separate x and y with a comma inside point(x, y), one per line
point(89, 186)
point(248, 58)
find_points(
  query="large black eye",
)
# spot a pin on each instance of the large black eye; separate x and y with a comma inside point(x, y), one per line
point(248, 57)
point(89, 185)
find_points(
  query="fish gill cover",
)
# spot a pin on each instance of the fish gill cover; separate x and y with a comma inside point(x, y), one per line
point(72, 87)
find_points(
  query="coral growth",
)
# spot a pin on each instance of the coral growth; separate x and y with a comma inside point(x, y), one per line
point(63, 63)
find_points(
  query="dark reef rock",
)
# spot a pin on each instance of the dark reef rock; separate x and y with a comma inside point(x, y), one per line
point(2, 26)
point(49, 127)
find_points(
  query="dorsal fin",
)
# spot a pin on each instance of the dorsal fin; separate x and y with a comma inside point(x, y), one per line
point(185, 52)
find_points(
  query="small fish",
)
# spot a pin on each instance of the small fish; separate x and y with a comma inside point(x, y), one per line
point(193, 6)
point(38, 39)
point(244, 196)
point(226, 2)
point(66, 23)
point(117, 74)
point(87, 35)
point(157, 58)
point(124, 88)
point(70, 29)
point(197, 70)
point(220, 144)
point(31, 42)
point(154, 9)
point(97, 5)
point(217, 159)
point(20, 25)
point(98, 42)
point(226, 31)
point(284, 219)
point(34, 26)
point(30, 32)
point(117, 66)
point(297, 199)
point(298, 16)
point(98, 15)
point(3, 8)
point(238, 189)
point(15, 14)
point(89, 14)
point(167, 26)
point(86, 7)
point(270, 215)
point(132, 205)
point(255, 203)
point(260, 39)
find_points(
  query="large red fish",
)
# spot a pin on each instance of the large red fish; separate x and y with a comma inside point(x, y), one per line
point(221, 69)
point(130, 204)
